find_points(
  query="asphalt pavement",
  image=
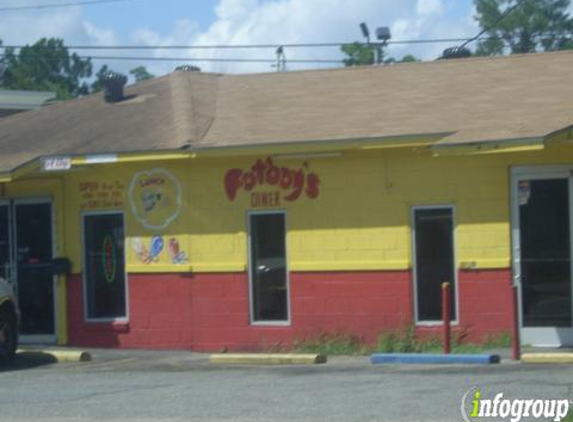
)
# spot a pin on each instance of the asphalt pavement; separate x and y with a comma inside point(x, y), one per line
point(134, 385)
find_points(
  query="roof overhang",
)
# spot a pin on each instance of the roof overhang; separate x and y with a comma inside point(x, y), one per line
point(284, 149)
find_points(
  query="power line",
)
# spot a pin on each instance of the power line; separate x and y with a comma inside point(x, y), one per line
point(241, 46)
point(199, 59)
point(271, 46)
point(57, 5)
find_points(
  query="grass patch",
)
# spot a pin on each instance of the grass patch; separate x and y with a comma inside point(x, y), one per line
point(332, 344)
point(397, 341)
point(405, 341)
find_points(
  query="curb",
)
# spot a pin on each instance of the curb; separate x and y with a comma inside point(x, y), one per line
point(430, 358)
point(547, 357)
point(61, 355)
point(266, 359)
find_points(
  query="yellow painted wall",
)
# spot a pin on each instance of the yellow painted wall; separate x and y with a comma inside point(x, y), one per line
point(359, 221)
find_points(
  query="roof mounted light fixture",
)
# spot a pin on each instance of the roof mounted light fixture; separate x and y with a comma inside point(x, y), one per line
point(383, 34)
point(365, 31)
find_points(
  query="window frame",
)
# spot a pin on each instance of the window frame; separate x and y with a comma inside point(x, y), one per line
point(252, 320)
point(455, 318)
point(87, 318)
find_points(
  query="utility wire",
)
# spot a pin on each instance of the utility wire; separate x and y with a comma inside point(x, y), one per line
point(197, 59)
point(243, 46)
point(270, 46)
point(58, 5)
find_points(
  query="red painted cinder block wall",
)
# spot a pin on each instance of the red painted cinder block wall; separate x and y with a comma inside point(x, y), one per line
point(210, 312)
point(485, 306)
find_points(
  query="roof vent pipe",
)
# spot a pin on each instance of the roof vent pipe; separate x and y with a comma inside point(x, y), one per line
point(187, 68)
point(113, 84)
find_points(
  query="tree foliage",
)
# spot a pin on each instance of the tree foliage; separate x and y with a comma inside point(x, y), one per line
point(358, 54)
point(140, 73)
point(532, 26)
point(47, 65)
point(97, 84)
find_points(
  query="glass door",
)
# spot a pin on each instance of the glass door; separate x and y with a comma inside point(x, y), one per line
point(33, 246)
point(542, 256)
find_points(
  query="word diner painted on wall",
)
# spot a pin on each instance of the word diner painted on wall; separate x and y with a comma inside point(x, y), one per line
point(286, 183)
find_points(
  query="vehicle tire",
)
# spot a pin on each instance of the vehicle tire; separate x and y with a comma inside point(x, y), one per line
point(8, 334)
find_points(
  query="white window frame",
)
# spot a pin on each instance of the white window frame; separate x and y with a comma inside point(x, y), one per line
point(124, 319)
point(252, 320)
point(452, 207)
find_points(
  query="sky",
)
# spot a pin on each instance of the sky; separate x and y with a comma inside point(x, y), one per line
point(236, 22)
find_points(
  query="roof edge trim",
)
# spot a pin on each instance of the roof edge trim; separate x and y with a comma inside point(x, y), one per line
point(493, 146)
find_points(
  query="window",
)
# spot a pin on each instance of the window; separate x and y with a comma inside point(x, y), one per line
point(104, 266)
point(268, 273)
point(434, 260)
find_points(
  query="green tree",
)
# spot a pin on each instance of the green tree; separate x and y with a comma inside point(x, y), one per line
point(97, 84)
point(47, 65)
point(531, 26)
point(409, 58)
point(358, 54)
point(141, 74)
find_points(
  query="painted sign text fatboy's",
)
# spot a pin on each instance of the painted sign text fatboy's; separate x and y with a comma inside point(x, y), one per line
point(293, 182)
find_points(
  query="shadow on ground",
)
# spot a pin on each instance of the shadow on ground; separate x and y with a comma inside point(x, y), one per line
point(27, 360)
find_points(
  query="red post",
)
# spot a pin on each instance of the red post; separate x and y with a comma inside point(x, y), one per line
point(515, 341)
point(446, 317)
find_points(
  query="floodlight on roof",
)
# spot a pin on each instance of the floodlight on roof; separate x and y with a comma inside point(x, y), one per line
point(365, 31)
point(383, 33)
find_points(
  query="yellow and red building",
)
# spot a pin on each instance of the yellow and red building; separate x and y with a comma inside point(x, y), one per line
point(209, 211)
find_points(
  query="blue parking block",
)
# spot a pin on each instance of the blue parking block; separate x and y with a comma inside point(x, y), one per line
point(429, 358)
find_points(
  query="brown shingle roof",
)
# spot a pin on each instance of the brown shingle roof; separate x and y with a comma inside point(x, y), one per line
point(473, 100)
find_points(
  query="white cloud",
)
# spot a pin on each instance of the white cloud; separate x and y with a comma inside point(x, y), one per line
point(235, 9)
point(248, 22)
point(99, 36)
point(276, 22)
point(429, 7)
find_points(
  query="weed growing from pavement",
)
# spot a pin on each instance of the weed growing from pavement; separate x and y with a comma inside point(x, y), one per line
point(398, 341)
point(405, 341)
point(332, 344)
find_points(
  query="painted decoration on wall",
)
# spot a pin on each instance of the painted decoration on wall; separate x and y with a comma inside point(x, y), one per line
point(177, 256)
point(96, 195)
point(147, 255)
point(155, 198)
point(152, 253)
point(284, 183)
